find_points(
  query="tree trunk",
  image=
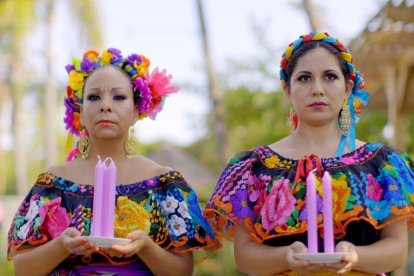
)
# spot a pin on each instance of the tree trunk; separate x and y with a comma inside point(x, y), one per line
point(218, 112)
point(50, 93)
point(4, 100)
point(314, 21)
point(17, 91)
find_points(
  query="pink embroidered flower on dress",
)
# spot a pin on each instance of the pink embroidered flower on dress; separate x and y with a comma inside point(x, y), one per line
point(374, 188)
point(279, 205)
point(253, 187)
point(54, 219)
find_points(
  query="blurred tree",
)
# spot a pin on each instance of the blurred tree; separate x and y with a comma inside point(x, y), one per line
point(17, 17)
point(218, 111)
point(314, 18)
point(86, 15)
point(253, 118)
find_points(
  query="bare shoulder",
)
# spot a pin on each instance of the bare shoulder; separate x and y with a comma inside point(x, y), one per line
point(359, 143)
point(58, 169)
point(283, 147)
point(148, 168)
point(77, 170)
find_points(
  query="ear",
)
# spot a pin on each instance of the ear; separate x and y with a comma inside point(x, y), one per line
point(81, 116)
point(349, 86)
point(286, 89)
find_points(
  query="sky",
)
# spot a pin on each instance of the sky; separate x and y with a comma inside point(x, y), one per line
point(167, 32)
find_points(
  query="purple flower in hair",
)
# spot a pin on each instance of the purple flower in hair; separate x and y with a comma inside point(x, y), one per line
point(69, 120)
point(142, 87)
point(132, 58)
point(87, 65)
point(117, 55)
point(69, 68)
point(70, 104)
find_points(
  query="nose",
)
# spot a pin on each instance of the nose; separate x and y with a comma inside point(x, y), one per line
point(106, 105)
point(317, 88)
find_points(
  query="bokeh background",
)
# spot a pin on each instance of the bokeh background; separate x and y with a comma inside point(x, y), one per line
point(224, 56)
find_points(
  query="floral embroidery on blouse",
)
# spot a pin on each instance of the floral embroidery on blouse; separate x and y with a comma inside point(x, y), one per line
point(165, 207)
point(259, 189)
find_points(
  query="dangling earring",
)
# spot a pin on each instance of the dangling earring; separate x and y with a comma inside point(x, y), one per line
point(84, 144)
point(345, 120)
point(292, 119)
point(131, 145)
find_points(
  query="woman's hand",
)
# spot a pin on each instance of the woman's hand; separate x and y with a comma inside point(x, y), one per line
point(299, 266)
point(348, 262)
point(76, 244)
point(139, 241)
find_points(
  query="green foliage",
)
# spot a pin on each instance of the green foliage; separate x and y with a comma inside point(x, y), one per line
point(370, 126)
point(252, 118)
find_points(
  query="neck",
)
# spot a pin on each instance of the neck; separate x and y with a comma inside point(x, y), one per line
point(320, 140)
point(107, 148)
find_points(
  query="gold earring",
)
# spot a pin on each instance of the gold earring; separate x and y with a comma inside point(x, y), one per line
point(131, 145)
point(345, 120)
point(84, 144)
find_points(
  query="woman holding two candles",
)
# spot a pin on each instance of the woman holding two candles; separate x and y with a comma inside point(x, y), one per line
point(154, 208)
point(271, 200)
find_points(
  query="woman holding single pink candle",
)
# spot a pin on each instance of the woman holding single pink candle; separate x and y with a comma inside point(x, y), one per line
point(318, 201)
point(109, 210)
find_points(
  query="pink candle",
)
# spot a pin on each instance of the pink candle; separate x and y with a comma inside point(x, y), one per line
point(327, 213)
point(312, 213)
point(97, 199)
point(108, 206)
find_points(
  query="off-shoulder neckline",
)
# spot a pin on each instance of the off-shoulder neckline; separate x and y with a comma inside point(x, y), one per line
point(71, 182)
point(358, 150)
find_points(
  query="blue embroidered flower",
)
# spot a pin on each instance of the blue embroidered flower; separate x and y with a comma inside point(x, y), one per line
point(379, 209)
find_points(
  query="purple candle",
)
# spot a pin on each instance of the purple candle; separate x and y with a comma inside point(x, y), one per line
point(327, 213)
point(312, 213)
point(108, 206)
point(97, 199)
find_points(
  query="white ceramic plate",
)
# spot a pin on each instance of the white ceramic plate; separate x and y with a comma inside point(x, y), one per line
point(106, 241)
point(321, 258)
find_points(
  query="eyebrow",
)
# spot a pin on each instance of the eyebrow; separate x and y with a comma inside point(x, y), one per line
point(325, 71)
point(113, 88)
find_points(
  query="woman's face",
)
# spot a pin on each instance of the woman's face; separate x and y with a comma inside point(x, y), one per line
point(108, 105)
point(317, 88)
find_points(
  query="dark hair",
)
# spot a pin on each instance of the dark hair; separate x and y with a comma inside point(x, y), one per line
point(306, 47)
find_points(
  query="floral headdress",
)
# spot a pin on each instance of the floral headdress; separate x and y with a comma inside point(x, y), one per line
point(149, 89)
point(357, 97)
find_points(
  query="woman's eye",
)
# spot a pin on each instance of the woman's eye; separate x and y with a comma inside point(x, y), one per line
point(93, 97)
point(119, 97)
point(304, 78)
point(331, 76)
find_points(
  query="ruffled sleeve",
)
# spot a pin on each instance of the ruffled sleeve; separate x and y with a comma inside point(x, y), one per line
point(39, 218)
point(390, 191)
point(229, 204)
point(168, 211)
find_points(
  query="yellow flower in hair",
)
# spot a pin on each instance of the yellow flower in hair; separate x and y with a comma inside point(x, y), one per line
point(143, 67)
point(76, 80)
point(92, 55)
point(106, 57)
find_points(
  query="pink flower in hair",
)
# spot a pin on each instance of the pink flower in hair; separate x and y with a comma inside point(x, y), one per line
point(160, 83)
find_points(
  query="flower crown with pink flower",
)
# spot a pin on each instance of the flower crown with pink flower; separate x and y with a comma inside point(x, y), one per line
point(150, 89)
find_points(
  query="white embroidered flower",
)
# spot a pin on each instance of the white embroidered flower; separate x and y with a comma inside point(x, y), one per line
point(32, 212)
point(183, 210)
point(169, 205)
point(178, 225)
point(23, 231)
